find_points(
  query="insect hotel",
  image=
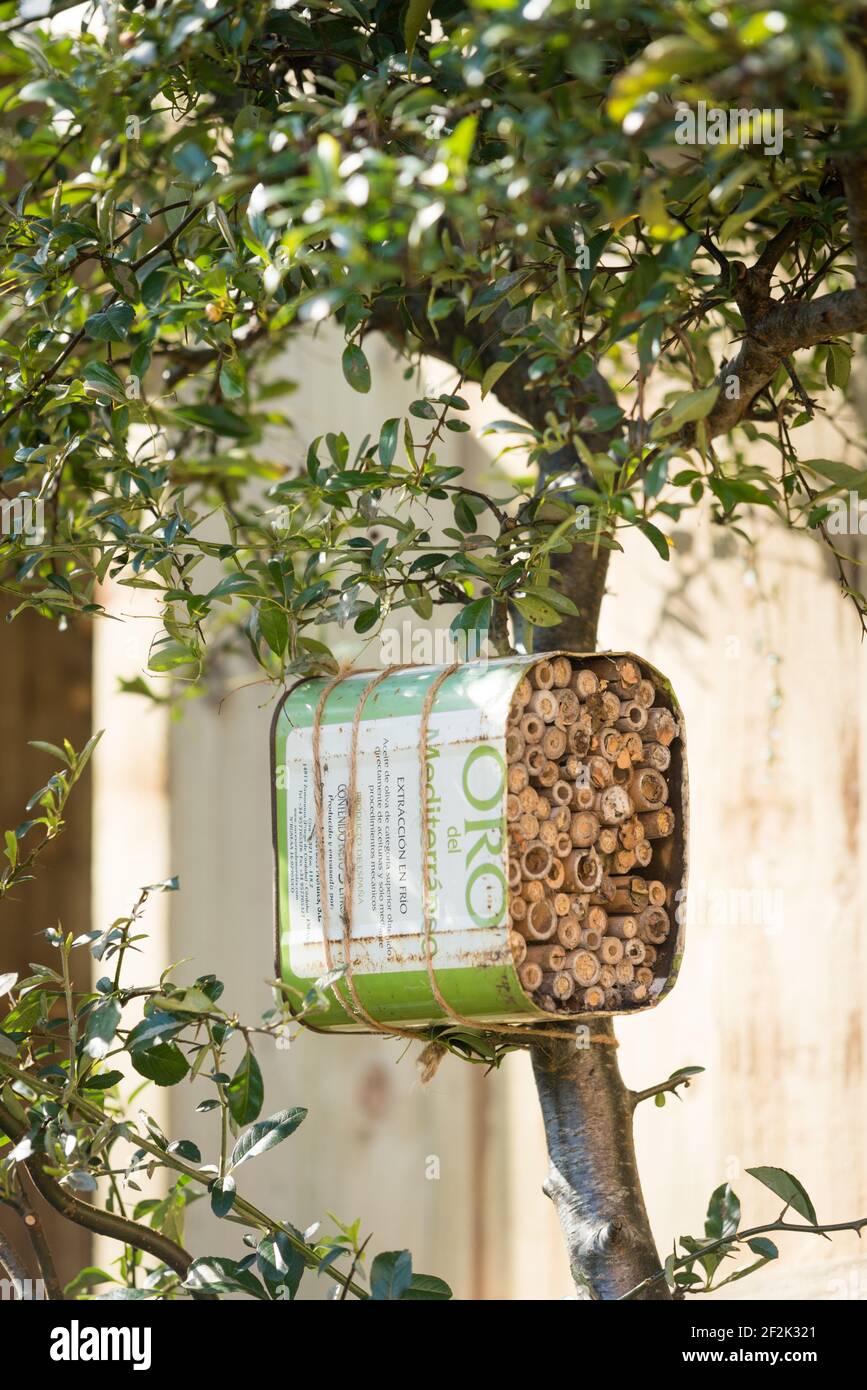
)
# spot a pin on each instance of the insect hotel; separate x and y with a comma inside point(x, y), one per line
point(491, 843)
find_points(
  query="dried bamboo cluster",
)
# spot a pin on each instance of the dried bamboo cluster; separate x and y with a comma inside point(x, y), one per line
point(587, 749)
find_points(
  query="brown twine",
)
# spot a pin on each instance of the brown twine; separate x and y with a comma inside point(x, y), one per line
point(353, 1006)
point(435, 1050)
point(427, 936)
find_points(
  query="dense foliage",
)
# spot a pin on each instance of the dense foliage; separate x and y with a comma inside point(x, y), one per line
point(189, 186)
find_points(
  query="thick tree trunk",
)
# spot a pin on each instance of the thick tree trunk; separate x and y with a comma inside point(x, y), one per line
point(593, 1177)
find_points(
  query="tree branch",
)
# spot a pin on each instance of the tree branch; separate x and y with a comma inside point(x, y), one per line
point(683, 1077)
point(10, 1262)
point(103, 1223)
point(738, 1238)
point(39, 1243)
point(776, 330)
point(243, 1208)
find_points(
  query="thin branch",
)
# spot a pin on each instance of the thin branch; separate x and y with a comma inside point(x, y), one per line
point(47, 375)
point(94, 1219)
point(39, 1242)
point(167, 240)
point(778, 246)
point(739, 1237)
point(243, 1208)
point(678, 1078)
point(842, 576)
point(808, 404)
point(776, 329)
point(710, 247)
point(10, 1262)
point(352, 1268)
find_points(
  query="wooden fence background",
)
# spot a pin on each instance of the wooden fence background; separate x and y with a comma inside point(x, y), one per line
point(769, 666)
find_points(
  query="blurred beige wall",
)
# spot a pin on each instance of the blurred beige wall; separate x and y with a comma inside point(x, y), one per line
point(771, 996)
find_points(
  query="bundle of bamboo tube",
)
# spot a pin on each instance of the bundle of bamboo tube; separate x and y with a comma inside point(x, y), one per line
point(588, 747)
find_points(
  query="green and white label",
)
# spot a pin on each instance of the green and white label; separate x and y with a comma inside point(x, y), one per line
point(466, 853)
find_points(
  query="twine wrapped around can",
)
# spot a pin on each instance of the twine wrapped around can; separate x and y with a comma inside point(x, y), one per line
point(391, 854)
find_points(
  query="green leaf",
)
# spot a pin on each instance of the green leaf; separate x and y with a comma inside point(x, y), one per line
point(192, 162)
point(656, 538)
point(656, 475)
point(50, 748)
point(101, 1027)
point(493, 293)
point(216, 1274)
point(51, 90)
point(163, 1063)
point(474, 617)
point(493, 374)
point(185, 1148)
point(88, 1279)
point(110, 325)
point(280, 1264)
point(169, 655)
point(464, 515)
point(274, 626)
point(246, 1091)
point(356, 368)
point(441, 308)
point(103, 379)
point(388, 442)
point(391, 1275)
point(426, 1286)
point(367, 618)
point(216, 418)
point(416, 14)
point(232, 378)
point(80, 1180)
point(693, 405)
point(731, 491)
point(788, 1188)
point(723, 1214)
point(753, 202)
point(838, 365)
point(103, 1081)
point(186, 1001)
point(554, 599)
point(231, 584)
point(536, 611)
point(842, 474)
point(266, 1134)
point(222, 1195)
point(760, 1245)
